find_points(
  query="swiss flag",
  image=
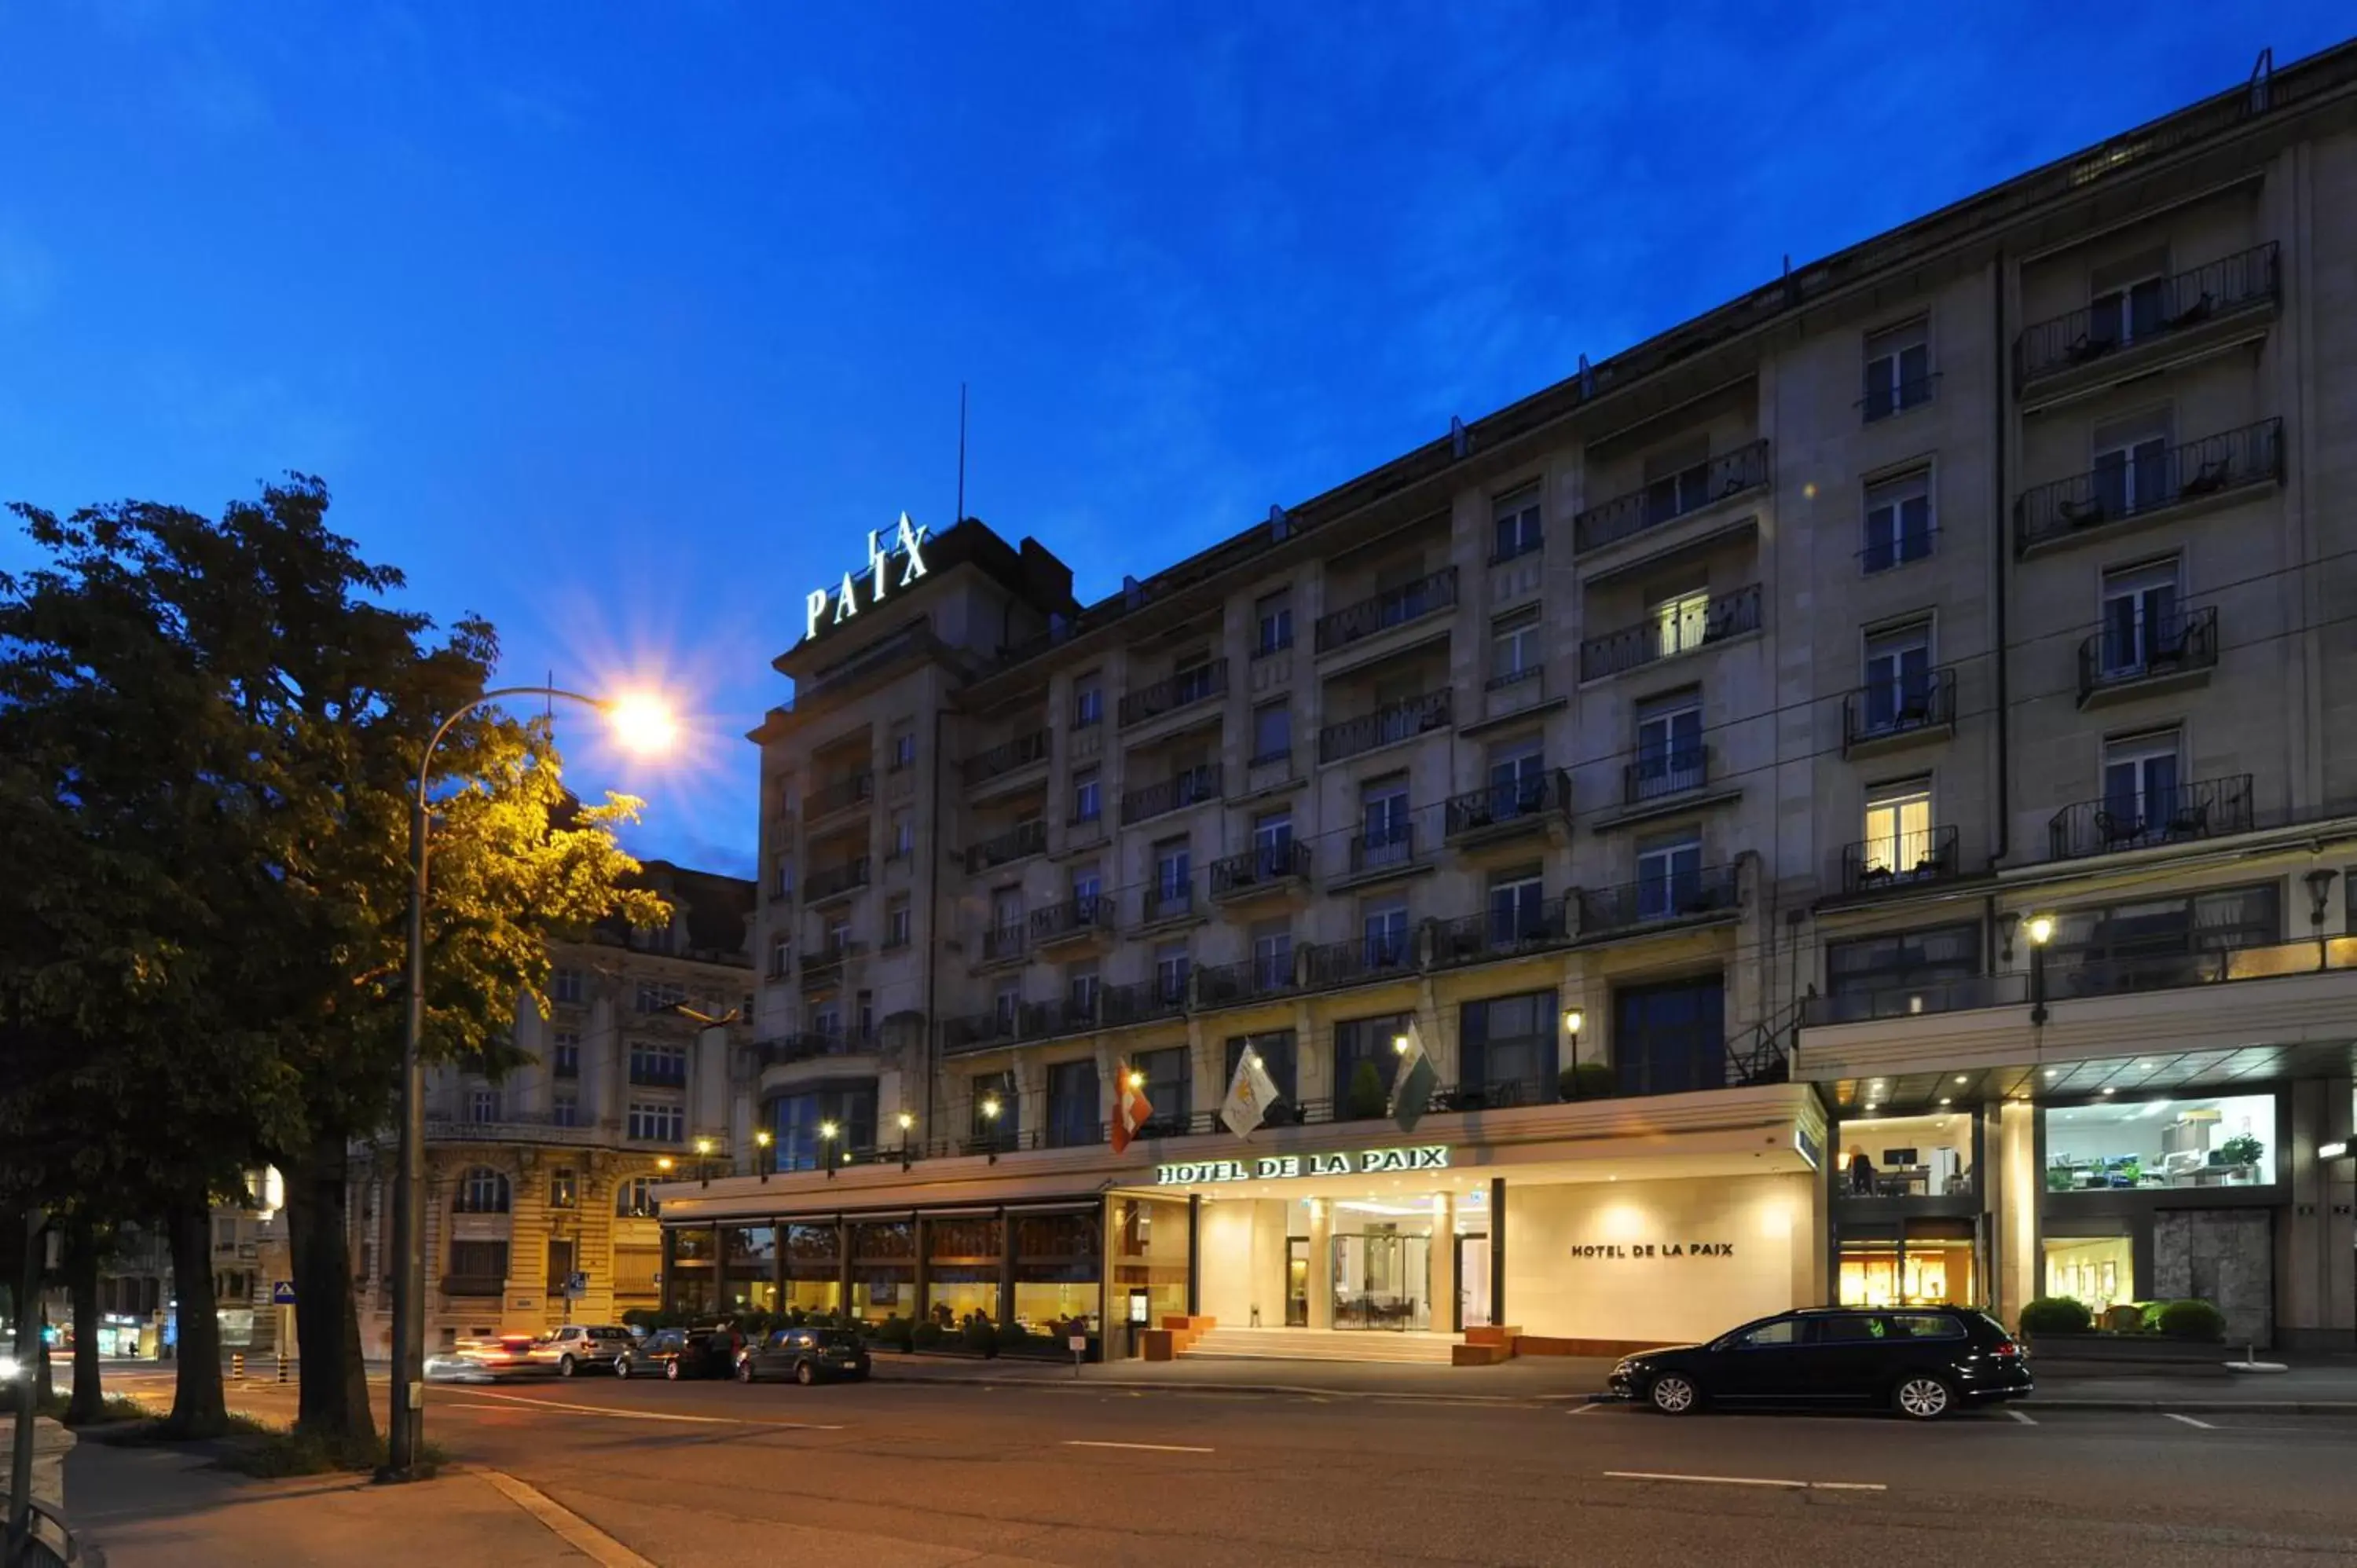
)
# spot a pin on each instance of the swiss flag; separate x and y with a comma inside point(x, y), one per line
point(1130, 1107)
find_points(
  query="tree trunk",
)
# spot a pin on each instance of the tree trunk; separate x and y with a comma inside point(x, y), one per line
point(334, 1401)
point(199, 1408)
point(82, 1280)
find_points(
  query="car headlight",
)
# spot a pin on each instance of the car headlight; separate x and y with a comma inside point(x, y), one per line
point(7, 1369)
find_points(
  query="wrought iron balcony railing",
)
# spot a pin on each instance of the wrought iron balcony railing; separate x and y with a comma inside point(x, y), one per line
point(2215, 465)
point(1199, 683)
point(1164, 900)
point(1005, 758)
point(1089, 915)
point(1373, 956)
point(1262, 865)
point(1397, 722)
point(1885, 710)
point(2149, 648)
point(1230, 984)
point(2222, 287)
point(1002, 942)
point(1900, 860)
point(1502, 933)
point(1675, 895)
point(1670, 631)
point(1673, 497)
point(841, 795)
point(811, 1045)
point(1024, 838)
point(1188, 786)
point(2139, 820)
point(1670, 771)
point(1426, 595)
point(1383, 846)
point(1527, 802)
point(829, 881)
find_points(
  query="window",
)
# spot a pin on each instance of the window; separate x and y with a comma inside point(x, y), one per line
point(1170, 973)
point(1384, 833)
point(660, 1063)
point(660, 996)
point(1677, 481)
point(2140, 787)
point(1174, 874)
point(565, 1053)
point(1506, 1046)
point(781, 878)
point(1274, 614)
point(1088, 701)
point(483, 1105)
point(1669, 874)
point(998, 1109)
point(479, 1263)
point(896, 922)
point(1898, 369)
point(1169, 1085)
point(1517, 776)
point(1898, 678)
point(1517, 907)
point(1514, 524)
point(652, 1121)
point(798, 1124)
point(564, 985)
point(903, 744)
point(1088, 805)
point(838, 936)
point(1365, 1063)
point(2160, 941)
point(1007, 916)
point(865, 1014)
point(2132, 467)
point(1902, 961)
point(1006, 1005)
point(1383, 931)
point(482, 1190)
point(1192, 677)
point(1073, 1118)
point(1087, 887)
point(1669, 745)
point(1080, 990)
point(2161, 1144)
point(1272, 732)
point(1898, 839)
point(904, 833)
point(1672, 1037)
point(826, 1020)
point(782, 956)
point(565, 1111)
point(634, 1198)
point(2141, 620)
point(1514, 647)
point(2128, 301)
point(1272, 834)
point(1272, 955)
point(1278, 1059)
point(1681, 622)
point(1897, 520)
point(564, 1188)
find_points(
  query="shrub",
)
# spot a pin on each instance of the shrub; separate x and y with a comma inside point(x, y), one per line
point(927, 1335)
point(2055, 1315)
point(1587, 1080)
point(1368, 1098)
point(896, 1332)
point(979, 1335)
point(2197, 1320)
point(1014, 1340)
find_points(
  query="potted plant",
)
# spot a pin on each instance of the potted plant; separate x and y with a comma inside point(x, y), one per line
point(2242, 1150)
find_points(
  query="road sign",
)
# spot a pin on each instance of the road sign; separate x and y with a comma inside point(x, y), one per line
point(283, 1293)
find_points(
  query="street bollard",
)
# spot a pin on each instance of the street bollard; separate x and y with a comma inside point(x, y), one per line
point(237, 1366)
point(282, 1368)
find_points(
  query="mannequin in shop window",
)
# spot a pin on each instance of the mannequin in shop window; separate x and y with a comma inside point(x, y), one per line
point(1861, 1173)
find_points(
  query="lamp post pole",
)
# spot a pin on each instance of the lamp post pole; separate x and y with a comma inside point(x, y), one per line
point(404, 1430)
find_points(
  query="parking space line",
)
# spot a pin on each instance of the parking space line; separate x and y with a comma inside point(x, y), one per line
point(2025, 1419)
point(1749, 1481)
point(2189, 1421)
point(1150, 1447)
point(1585, 1409)
point(641, 1414)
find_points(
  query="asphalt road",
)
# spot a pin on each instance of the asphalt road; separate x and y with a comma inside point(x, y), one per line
point(914, 1476)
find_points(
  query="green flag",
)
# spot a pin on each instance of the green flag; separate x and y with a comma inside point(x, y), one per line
point(1412, 1083)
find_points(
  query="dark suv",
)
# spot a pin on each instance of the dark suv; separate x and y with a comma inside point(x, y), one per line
point(1924, 1362)
point(805, 1355)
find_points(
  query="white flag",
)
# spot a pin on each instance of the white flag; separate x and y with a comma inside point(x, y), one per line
point(1250, 1094)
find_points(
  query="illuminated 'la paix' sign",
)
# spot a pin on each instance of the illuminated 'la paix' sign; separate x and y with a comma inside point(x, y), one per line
point(1273, 1167)
point(907, 543)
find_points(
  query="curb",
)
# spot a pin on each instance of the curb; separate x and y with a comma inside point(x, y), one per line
point(2196, 1406)
point(1108, 1386)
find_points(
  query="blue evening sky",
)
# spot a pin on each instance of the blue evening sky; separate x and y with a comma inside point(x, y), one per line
point(620, 324)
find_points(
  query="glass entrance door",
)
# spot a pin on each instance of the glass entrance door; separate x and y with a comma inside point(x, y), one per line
point(1381, 1281)
point(1472, 1282)
point(1296, 1283)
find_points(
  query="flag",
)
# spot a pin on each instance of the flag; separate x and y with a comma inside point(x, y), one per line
point(1130, 1107)
point(1412, 1083)
point(1250, 1094)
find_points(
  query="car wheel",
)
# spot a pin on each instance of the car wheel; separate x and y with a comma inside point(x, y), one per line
point(1922, 1397)
point(805, 1374)
point(1674, 1393)
point(744, 1370)
point(671, 1370)
point(621, 1368)
point(564, 1367)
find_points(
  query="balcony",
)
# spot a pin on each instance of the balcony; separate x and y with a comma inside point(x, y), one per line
point(834, 881)
point(1699, 894)
point(1008, 943)
point(2158, 655)
point(1171, 900)
point(1141, 1001)
point(1383, 849)
point(659, 1074)
point(1385, 726)
point(1428, 594)
point(2178, 479)
point(1667, 500)
point(2192, 313)
point(1189, 787)
point(1935, 995)
point(1511, 809)
point(1023, 839)
point(1254, 980)
point(512, 1127)
point(1182, 690)
point(1501, 933)
point(812, 1045)
point(1670, 632)
point(1011, 757)
point(824, 968)
point(1081, 919)
point(1889, 715)
point(1658, 775)
point(1358, 960)
point(1905, 860)
point(2183, 813)
point(841, 795)
point(1263, 868)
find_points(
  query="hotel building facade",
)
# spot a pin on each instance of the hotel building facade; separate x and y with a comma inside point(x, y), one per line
point(1853, 795)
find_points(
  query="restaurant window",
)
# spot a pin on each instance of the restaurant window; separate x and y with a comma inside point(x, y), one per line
point(964, 1255)
point(1506, 1049)
point(1074, 1112)
point(1365, 1063)
point(1921, 1264)
point(1150, 1243)
point(2171, 1145)
point(1058, 1264)
point(1672, 1037)
point(814, 1267)
point(1277, 1052)
point(883, 1270)
point(748, 1268)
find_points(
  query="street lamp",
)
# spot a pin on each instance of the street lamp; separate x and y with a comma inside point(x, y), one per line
point(990, 1114)
point(642, 724)
point(703, 1160)
point(2039, 930)
point(827, 1131)
point(761, 1158)
point(908, 1120)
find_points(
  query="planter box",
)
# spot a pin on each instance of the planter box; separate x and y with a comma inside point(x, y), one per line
point(2123, 1350)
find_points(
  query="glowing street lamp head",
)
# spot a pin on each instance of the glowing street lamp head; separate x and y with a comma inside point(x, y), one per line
point(642, 723)
point(1399, 1044)
point(907, 1121)
point(762, 1137)
point(990, 1108)
point(1136, 1079)
point(663, 1162)
point(1573, 1020)
point(704, 1147)
point(2040, 928)
point(826, 1130)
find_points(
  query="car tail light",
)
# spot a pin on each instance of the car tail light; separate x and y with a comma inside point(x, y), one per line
point(2005, 1350)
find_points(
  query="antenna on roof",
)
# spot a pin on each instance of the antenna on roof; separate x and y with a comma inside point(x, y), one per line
point(1280, 524)
point(1587, 380)
point(2262, 78)
point(1460, 443)
point(960, 515)
point(1132, 592)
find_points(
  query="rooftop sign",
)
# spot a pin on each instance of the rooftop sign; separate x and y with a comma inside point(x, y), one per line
point(907, 543)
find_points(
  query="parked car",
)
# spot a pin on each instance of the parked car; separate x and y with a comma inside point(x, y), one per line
point(805, 1355)
point(487, 1360)
point(580, 1348)
point(677, 1353)
point(1924, 1362)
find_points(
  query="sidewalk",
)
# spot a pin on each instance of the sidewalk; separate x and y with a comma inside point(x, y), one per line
point(163, 1508)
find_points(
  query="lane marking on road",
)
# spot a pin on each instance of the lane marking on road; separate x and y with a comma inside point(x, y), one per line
point(641, 1414)
point(1749, 1481)
point(1151, 1448)
point(1585, 1409)
point(567, 1526)
point(2189, 1421)
point(2021, 1417)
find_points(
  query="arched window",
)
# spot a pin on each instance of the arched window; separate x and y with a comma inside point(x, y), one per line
point(482, 1190)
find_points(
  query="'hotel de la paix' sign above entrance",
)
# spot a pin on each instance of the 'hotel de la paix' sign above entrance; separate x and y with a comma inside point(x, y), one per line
point(1269, 1167)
